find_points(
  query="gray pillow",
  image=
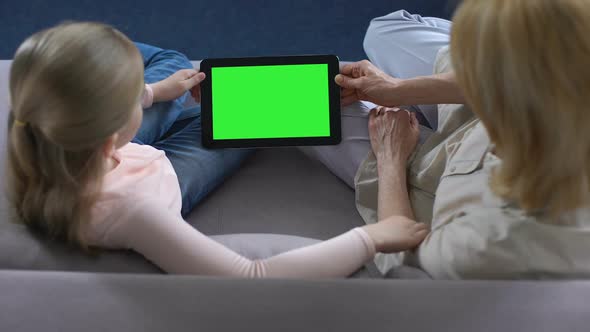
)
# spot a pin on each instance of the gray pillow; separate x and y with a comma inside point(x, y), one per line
point(406, 272)
point(20, 249)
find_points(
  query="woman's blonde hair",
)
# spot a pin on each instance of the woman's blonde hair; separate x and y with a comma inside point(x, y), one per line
point(71, 88)
point(524, 67)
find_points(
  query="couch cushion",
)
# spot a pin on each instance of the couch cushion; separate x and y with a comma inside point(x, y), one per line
point(19, 249)
point(279, 191)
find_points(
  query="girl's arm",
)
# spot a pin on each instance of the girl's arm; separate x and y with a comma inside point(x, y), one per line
point(168, 74)
point(171, 88)
point(175, 246)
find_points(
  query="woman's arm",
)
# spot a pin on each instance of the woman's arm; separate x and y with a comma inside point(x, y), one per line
point(427, 90)
point(394, 135)
point(363, 81)
point(392, 197)
point(489, 243)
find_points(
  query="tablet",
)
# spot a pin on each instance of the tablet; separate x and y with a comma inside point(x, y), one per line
point(270, 101)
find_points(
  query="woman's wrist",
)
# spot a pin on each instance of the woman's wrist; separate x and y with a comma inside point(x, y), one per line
point(391, 162)
point(426, 90)
point(412, 91)
point(393, 92)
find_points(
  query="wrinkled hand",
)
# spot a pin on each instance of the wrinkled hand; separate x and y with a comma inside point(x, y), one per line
point(177, 84)
point(394, 134)
point(363, 81)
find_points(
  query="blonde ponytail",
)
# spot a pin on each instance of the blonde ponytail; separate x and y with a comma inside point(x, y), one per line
point(71, 87)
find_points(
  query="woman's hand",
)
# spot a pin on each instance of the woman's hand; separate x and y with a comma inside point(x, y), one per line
point(177, 84)
point(394, 134)
point(363, 81)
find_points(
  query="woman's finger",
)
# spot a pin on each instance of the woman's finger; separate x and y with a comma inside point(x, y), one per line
point(348, 100)
point(347, 92)
point(349, 68)
point(373, 113)
point(348, 82)
point(413, 120)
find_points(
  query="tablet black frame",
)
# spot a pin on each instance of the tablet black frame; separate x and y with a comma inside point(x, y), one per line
point(334, 102)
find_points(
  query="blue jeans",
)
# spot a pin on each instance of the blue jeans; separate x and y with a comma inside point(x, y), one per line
point(169, 127)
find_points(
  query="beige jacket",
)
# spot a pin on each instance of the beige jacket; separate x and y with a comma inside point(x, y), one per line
point(475, 234)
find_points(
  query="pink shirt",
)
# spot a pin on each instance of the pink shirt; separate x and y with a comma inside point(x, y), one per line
point(139, 209)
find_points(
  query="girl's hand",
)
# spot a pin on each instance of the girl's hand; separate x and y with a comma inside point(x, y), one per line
point(363, 81)
point(394, 134)
point(177, 84)
point(396, 233)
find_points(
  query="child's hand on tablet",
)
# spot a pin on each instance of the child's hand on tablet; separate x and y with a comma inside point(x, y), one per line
point(177, 84)
point(196, 93)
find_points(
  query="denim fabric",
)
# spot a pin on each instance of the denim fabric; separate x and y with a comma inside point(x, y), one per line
point(199, 170)
point(167, 126)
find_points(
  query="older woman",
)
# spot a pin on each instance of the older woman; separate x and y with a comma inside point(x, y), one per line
point(507, 190)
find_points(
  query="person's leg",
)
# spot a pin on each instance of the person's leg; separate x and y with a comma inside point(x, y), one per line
point(344, 159)
point(405, 45)
point(199, 170)
point(160, 64)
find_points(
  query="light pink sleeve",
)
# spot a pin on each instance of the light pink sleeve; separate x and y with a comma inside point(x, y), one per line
point(176, 247)
point(147, 98)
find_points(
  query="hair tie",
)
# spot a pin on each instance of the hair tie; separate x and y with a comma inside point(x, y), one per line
point(19, 123)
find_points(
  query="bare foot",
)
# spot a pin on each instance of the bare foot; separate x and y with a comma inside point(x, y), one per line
point(396, 234)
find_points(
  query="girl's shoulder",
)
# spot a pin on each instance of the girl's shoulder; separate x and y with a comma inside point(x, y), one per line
point(143, 151)
point(119, 212)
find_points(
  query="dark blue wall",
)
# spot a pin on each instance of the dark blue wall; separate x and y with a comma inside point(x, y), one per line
point(218, 27)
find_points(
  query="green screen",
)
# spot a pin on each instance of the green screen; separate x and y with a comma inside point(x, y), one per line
point(278, 101)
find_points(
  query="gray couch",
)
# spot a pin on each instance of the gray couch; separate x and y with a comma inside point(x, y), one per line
point(45, 286)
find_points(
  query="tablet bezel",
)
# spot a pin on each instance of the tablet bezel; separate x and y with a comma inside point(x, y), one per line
point(207, 109)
